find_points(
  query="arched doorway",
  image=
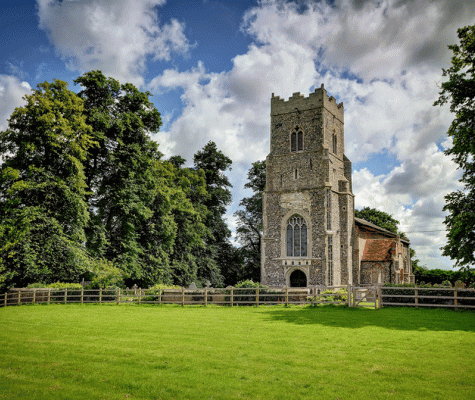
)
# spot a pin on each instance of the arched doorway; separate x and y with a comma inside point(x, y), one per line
point(298, 279)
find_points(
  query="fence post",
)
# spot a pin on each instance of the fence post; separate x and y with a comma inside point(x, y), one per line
point(82, 295)
point(349, 294)
point(118, 295)
point(19, 301)
point(66, 296)
point(376, 297)
point(100, 295)
point(257, 296)
point(380, 297)
point(140, 294)
point(286, 296)
point(416, 298)
point(34, 296)
point(49, 296)
point(455, 299)
point(182, 296)
point(6, 299)
point(354, 297)
point(206, 297)
point(232, 296)
point(160, 295)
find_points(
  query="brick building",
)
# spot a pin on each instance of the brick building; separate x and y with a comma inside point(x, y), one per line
point(311, 236)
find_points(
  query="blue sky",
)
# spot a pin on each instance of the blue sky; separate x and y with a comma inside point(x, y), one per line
point(213, 65)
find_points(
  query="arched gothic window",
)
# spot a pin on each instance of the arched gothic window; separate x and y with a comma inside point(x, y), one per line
point(296, 140)
point(296, 238)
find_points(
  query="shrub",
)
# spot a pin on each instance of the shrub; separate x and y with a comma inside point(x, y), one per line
point(154, 292)
point(36, 285)
point(105, 275)
point(248, 297)
point(329, 295)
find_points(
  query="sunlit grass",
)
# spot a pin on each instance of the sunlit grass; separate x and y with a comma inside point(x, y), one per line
point(172, 352)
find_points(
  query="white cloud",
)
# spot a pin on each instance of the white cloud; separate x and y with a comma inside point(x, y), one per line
point(12, 91)
point(383, 59)
point(115, 36)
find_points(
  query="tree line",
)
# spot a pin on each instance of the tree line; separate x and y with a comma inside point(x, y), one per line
point(86, 194)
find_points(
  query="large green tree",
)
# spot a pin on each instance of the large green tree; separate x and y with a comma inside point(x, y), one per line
point(250, 226)
point(131, 221)
point(191, 259)
point(43, 212)
point(459, 92)
point(214, 164)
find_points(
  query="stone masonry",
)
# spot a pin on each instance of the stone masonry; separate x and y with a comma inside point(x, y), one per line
point(308, 177)
point(310, 237)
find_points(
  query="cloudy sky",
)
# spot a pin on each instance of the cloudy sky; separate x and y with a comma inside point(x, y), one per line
point(213, 65)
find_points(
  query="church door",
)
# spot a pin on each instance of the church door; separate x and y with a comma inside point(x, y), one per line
point(298, 279)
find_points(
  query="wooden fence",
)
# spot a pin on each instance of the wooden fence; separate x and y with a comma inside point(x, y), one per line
point(427, 297)
point(368, 296)
point(223, 296)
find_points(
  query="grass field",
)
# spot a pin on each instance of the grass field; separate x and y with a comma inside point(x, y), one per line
point(172, 352)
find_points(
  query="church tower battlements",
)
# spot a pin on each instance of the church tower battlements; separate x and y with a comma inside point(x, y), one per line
point(319, 98)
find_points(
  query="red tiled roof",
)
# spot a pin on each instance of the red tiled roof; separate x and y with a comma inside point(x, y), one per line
point(377, 250)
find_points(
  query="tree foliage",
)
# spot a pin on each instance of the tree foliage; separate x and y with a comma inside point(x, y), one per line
point(214, 164)
point(42, 184)
point(84, 193)
point(459, 91)
point(379, 218)
point(250, 225)
point(131, 221)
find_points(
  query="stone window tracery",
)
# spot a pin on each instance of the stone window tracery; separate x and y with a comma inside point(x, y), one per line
point(296, 140)
point(296, 236)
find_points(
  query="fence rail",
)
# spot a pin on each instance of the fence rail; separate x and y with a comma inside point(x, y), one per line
point(221, 296)
point(352, 296)
point(427, 297)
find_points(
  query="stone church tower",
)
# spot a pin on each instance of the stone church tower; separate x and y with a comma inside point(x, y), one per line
point(308, 202)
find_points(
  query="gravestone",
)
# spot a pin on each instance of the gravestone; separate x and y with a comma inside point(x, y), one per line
point(192, 286)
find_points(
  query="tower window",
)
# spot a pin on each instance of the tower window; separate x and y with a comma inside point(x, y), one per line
point(296, 237)
point(296, 140)
point(334, 145)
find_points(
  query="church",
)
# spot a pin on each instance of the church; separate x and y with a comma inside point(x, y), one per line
point(311, 236)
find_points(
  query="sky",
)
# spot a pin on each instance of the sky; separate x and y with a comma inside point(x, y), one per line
point(212, 67)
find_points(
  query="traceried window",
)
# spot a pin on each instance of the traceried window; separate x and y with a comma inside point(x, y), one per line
point(296, 140)
point(296, 237)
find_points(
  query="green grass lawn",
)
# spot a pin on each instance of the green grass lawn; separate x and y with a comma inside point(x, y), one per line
point(171, 352)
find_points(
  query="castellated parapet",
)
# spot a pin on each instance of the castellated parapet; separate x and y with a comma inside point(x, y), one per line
point(315, 100)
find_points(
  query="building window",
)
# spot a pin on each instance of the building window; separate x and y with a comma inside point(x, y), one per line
point(296, 238)
point(329, 210)
point(334, 144)
point(296, 140)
